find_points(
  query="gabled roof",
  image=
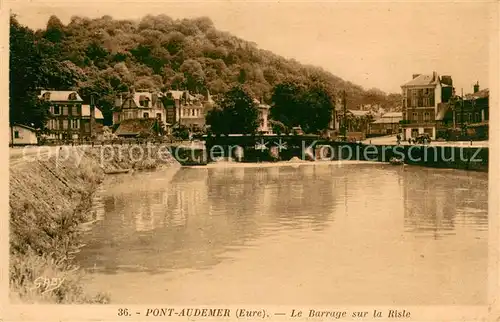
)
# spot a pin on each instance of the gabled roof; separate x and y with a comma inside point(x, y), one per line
point(60, 96)
point(480, 94)
point(177, 95)
point(133, 127)
point(24, 126)
point(423, 80)
point(86, 112)
point(359, 113)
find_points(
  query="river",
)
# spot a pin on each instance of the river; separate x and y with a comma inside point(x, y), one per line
point(353, 234)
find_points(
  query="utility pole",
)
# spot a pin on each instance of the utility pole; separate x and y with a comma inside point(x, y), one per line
point(92, 113)
point(462, 110)
point(344, 128)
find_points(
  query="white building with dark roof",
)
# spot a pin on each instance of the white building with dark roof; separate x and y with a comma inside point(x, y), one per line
point(424, 96)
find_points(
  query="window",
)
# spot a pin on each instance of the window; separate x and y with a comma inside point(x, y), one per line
point(16, 134)
point(86, 127)
point(470, 117)
point(158, 116)
point(414, 116)
point(56, 110)
point(427, 116)
point(74, 110)
point(65, 110)
point(75, 123)
point(477, 118)
point(192, 112)
point(145, 115)
point(53, 124)
point(413, 102)
point(65, 124)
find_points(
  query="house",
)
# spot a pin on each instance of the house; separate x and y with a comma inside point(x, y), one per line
point(139, 105)
point(425, 101)
point(186, 109)
point(469, 113)
point(92, 127)
point(387, 124)
point(65, 114)
point(20, 134)
point(475, 107)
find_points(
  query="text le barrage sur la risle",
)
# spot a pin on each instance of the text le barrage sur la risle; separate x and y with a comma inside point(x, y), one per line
point(252, 314)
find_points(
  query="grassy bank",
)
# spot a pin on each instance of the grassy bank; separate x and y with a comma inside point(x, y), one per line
point(50, 202)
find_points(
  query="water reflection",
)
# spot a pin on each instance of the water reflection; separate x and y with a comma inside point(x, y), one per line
point(191, 218)
point(196, 217)
point(438, 204)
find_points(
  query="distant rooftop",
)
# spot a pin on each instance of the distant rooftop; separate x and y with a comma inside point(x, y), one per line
point(134, 127)
point(480, 94)
point(60, 96)
point(423, 80)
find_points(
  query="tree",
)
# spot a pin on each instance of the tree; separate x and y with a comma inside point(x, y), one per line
point(193, 72)
point(25, 76)
point(235, 113)
point(308, 106)
point(55, 30)
point(287, 105)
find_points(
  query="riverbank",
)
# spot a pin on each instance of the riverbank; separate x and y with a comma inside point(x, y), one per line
point(50, 202)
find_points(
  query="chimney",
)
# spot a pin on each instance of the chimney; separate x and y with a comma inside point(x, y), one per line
point(119, 100)
point(476, 87)
point(434, 76)
point(92, 114)
point(447, 80)
point(415, 76)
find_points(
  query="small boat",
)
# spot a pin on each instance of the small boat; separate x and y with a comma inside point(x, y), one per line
point(396, 161)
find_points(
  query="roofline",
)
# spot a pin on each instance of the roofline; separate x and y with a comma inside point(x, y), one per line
point(24, 126)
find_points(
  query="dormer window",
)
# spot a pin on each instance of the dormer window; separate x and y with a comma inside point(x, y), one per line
point(144, 101)
point(72, 97)
point(46, 96)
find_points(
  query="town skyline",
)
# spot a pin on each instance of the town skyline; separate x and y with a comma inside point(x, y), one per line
point(456, 39)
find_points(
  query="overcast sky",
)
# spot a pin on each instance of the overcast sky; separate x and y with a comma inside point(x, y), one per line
point(371, 44)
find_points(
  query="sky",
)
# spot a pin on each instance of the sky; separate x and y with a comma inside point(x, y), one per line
point(372, 44)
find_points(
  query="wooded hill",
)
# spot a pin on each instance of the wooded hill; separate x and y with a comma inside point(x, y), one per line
point(107, 56)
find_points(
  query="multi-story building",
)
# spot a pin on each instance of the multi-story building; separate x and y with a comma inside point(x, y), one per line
point(138, 105)
point(65, 114)
point(475, 107)
point(425, 100)
point(186, 109)
point(469, 114)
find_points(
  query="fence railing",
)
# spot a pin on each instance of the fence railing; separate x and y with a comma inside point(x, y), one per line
point(121, 141)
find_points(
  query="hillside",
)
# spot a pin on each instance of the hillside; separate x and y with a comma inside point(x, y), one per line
point(107, 56)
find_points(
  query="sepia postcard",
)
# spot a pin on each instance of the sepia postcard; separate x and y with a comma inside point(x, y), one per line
point(250, 160)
